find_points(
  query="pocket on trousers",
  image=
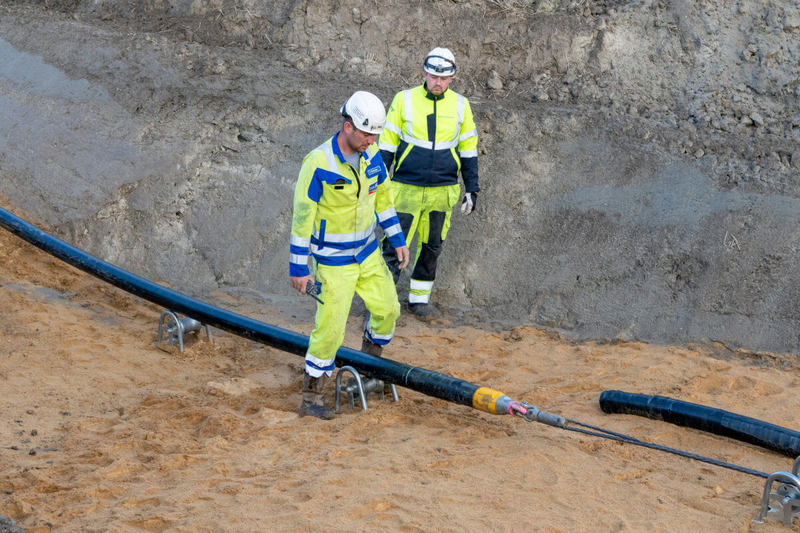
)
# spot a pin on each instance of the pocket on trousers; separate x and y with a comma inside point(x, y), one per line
point(453, 194)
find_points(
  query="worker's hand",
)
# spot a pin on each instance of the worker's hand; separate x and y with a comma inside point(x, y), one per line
point(469, 202)
point(402, 256)
point(299, 282)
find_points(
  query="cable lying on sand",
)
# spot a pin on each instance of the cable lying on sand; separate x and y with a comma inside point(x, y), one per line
point(717, 421)
point(781, 498)
point(419, 379)
point(425, 381)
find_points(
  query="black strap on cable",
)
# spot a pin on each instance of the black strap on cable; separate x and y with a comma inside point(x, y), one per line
point(619, 437)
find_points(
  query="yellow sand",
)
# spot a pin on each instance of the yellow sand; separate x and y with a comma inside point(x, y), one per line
point(208, 440)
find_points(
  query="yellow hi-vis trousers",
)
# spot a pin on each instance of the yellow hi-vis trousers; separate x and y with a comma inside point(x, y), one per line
point(372, 281)
point(426, 212)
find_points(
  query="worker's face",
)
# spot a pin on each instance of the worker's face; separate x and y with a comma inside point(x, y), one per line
point(357, 140)
point(437, 84)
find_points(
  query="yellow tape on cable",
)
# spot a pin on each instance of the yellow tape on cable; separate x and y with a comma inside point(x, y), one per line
point(486, 400)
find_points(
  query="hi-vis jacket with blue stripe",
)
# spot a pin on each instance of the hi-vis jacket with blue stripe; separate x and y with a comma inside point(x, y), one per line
point(430, 139)
point(336, 208)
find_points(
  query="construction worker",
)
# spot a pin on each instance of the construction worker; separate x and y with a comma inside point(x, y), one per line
point(429, 137)
point(342, 190)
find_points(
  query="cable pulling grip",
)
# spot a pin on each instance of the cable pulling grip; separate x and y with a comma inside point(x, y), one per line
point(531, 413)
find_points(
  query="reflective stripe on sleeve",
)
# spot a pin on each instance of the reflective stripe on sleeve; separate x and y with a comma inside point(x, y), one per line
point(391, 225)
point(467, 135)
point(387, 214)
point(392, 230)
point(299, 241)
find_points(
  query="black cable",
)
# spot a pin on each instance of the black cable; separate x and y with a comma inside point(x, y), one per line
point(426, 381)
point(619, 437)
point(603, 430)
point(704, 418)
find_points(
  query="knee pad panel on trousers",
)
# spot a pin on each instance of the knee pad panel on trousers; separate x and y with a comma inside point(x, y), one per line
point(436, 220)
point(406, 219)
point(425, 269)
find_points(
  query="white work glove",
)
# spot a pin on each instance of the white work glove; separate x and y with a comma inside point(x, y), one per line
point(468, 203)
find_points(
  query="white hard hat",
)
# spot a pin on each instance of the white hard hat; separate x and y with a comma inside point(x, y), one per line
point(367, 112)
point(440, 62)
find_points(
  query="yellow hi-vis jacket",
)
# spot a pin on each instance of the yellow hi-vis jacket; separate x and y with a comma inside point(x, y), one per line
point(431, 139)
point(336, 208)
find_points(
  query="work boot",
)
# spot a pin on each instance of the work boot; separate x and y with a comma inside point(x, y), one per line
point(370, 348)
point(313, 403)
point(422, 311)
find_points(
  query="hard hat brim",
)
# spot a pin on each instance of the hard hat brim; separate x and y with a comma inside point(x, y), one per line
point(373, 132)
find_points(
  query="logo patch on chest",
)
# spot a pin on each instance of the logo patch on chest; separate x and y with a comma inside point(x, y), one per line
point(373, 187)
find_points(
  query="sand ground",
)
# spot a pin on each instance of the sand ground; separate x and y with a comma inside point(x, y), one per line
point(102, 431)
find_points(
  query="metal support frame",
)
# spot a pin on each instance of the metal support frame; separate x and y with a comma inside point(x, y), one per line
point(175, 328)
point(356, 384)
point(782, 504)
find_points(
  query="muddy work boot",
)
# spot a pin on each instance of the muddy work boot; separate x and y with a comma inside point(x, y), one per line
point(313, 403)
point(422, 311)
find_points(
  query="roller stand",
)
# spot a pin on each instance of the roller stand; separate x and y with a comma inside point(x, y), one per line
point(356, 385)
point(782, 503)
point(171, 328)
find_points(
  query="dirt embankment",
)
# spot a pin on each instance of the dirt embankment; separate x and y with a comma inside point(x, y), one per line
point(639, 159)
point(639, 164)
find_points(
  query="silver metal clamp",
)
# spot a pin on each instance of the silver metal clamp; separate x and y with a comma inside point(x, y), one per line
point(171, 328)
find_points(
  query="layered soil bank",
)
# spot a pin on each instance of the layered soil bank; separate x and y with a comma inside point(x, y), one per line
point(639, 159)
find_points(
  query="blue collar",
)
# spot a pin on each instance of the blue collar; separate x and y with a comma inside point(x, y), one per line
point(338, 151)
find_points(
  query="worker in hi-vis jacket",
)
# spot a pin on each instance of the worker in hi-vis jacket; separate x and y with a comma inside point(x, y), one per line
point(342, 191)
point(430, 137)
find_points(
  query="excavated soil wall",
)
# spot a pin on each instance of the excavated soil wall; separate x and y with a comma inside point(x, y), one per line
point(639, 160)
